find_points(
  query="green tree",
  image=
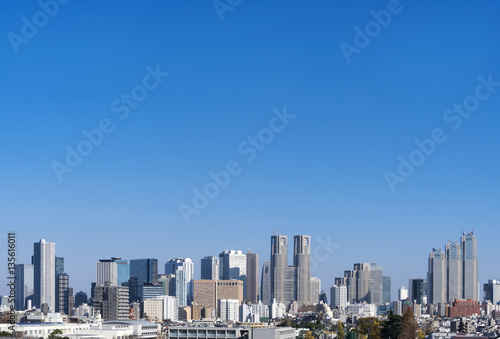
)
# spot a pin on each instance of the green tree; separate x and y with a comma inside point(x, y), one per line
point(340, 330)
point(409, 327)
point(391, 327)
point(54, 334)
point(369, 327)
point(308, 335)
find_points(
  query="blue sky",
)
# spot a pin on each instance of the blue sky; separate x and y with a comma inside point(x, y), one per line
point(322, 175)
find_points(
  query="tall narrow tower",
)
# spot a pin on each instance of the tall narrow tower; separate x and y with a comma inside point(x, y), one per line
point(279, 263)
point(302, 264)
point(470, 266)
point(454, 271)
point(437, 277)
point(44, 267)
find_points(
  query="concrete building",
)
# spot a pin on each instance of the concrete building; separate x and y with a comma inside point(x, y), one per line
point(153, 309)
point(207, 292)
point(386, 297)
point(106, 271)
point(183, 269)
point(277, 309)
point(315, 290)
point(437, 277)
point(151, 290)
point(492, 291)
point(184, 332)
point(362, 286)
point(233, 265)
point(112, 302)
point(302, 265)
point(279, 263)
point(44, 269)
point(64, 294)
point(464, 308)
point(402, 293)
point(470, 266)
point(338, 296)
point(210, 268)
point(265, 283)
point(229, 309)
point(24, 285)
point(252, 287)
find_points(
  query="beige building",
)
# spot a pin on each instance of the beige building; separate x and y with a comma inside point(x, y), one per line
point(206, 293)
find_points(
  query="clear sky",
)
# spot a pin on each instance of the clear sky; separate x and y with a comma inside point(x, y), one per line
point(358, 101)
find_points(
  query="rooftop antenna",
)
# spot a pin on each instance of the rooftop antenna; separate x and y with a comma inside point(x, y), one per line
point(274, 232)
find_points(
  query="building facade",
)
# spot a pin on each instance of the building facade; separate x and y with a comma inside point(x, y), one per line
point(44, 269)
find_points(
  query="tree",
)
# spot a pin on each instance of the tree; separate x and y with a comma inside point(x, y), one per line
point(409, 326)
point(420, 334)
point(308, 335)
point(55, 334)
point(369, 327)
point(340, 330)
point(391, 327)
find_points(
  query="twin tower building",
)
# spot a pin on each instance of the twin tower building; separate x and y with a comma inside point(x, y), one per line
point(287, 283)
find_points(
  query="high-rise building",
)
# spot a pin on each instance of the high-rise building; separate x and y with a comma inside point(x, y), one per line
point(59, 265)
point(24, 285)
point(229, 309)
point(279, 263)
point(315, 290)
point(265, 283)
point(338, 296)
point(62, 293)
point(365, 283)
point(289, 284)
point(233, 265)
point(122, 271)
point(183, 269)
point(168, 282)
point(417, 290)
point(106, 271)
point(454, 274)
point(252, 288)
point(492, 291)
point(146, 272)
point(44, 268)
point(112, 302)
point(403, 293)
point(207, 292)
point(470, 266)
point(210, 268)
point(80, 298)
point(302, 265)
point(386, 298)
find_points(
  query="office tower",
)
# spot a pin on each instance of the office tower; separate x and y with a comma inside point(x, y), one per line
point(122, 271)
point(302, 265)
point(338, 295)
point(44, 268)
point(149, 291)
point(106, 271)
point(454, 270)
point(470, 266)
point(59, 265)
point(210, 268)
point(252, 288)
point(437, 277)
point(265, 283)
point(153, 309)
point(183, 269)
point(146, 271)
point(323, 297)
point(492, 291)
point(24, 285)
point(365, 283)
point(168, 282)
point(403, 293)
point(386, 297)
point(417, 290)
point(233, 265)
point(80, 298)
point(171, 308)
point(112, 302)
point(289, 284)
point(229, 309)
point(62, 293)
point(207, 292)
point(315, 290)
point(279, 263)
point(230, 289)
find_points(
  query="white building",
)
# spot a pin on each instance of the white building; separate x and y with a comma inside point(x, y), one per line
point(402, 293)
point(338, 296)
point(315, 290)
point(261, 310)
point(363, 310)
point(229, 309)
point(84, 310)
point(233, 265)
point(183, 269)
point(44, 274)
point(171, 308)
point(106, 271)
point(277, 309)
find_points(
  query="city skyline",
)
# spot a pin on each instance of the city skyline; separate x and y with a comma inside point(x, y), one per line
point(168, 129)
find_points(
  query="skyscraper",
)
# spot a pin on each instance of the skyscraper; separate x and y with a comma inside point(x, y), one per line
point(279, 263)
point(417, 290)
point(106, 271)
point(338, 296)
point(210, 268)
point(315, 290)
point(62, 293)
point(386, 290)
point(44, 267)
point(454, 271)
point(470, 266)
point(302, 265)
point(437, 277)
point(112, 302)
point(24, 285)
point(145, 270)
point(183, 269)
point(365, 283)
point(265, 283)
point(492, 291)
point(252, 292)
point(233, 265)
point(122, 271)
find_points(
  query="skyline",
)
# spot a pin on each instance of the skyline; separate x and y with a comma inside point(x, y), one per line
point(203, 83)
